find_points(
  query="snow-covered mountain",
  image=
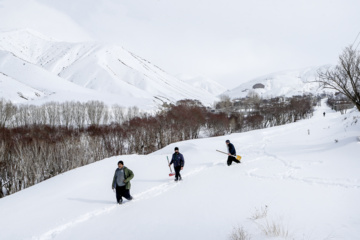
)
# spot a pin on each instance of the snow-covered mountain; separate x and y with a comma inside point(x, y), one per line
point(25, 82)
point(202, 82)
point(284, 83)
point(303, 187)
point(109, 70)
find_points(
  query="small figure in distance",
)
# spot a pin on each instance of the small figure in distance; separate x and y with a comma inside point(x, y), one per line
point(231, 154)
point(179, 162)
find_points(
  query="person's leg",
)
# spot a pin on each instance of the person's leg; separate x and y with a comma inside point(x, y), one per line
point(177, 172)
point(126, 194)
point(122, 192)
point(118, 194)
point(229, 160)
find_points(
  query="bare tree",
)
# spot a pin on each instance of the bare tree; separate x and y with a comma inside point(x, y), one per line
point(66, 111)
point(7, 111)
point(118, 113)
point(344, 77)
point(79, 111)
point(253, 100)
point(95, 112)
point(133, 112)
point(52, 112)
point(225, 104)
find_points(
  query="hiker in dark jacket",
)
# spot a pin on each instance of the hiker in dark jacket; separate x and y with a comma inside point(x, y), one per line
point(121, 182)
point(178, 161)
point(231, 154)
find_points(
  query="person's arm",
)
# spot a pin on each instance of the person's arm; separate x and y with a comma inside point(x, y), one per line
point(172, 160)
point(232, 150)
point(113, 182)
point(182, 161)
point(131, 176)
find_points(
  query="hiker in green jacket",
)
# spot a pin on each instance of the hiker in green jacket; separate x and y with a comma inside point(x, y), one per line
point(121, 182)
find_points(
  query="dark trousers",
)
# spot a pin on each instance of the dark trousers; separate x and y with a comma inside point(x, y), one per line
point(177, 172)
point(231, 159)
point(122, 192)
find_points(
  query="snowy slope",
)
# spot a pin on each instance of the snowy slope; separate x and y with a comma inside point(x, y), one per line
point(22, 81)
point(17, 91)
point(310, 184)
point(202, 82)
point(107, 69)
point(285, 83)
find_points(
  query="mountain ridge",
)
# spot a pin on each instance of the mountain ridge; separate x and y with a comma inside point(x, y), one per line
point(106, 68)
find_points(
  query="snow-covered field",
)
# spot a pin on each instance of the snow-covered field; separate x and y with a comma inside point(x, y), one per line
point(309, 183)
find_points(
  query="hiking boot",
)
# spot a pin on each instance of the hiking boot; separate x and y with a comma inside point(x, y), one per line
point(120, 201)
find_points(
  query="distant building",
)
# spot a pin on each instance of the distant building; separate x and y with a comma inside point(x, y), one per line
point(258, 85)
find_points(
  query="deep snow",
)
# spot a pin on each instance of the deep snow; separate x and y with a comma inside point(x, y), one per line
point(310, 184)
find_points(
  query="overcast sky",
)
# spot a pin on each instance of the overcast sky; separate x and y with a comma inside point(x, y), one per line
point(230, 41)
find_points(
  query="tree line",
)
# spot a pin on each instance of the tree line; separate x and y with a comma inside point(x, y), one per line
point(39, 142)
point(68, 114)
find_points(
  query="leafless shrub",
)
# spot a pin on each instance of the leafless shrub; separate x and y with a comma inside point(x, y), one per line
point(274, 229)
point(260, 213)
point(239, 233)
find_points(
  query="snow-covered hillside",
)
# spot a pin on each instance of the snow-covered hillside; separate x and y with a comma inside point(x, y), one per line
point(107, 69)
point(202, 82)
point(25, 82)
point(285, 83)
point(308, 181)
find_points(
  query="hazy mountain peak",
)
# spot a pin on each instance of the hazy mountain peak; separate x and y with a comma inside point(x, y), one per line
point(283, 83)
point(203, 82)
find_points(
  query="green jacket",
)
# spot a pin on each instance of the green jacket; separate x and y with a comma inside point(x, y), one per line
point(128, 175)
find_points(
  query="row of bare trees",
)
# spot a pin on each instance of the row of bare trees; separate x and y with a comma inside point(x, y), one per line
point(33, 150)
point(339, 102)
point(74, 114)
point(255, 113)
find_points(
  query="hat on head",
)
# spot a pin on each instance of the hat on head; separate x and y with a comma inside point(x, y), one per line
point(122, 163)
point(176, 148)
point(227, 141)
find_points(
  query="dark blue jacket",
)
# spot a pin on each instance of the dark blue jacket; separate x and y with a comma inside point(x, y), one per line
point(178, 160)
point(231, 148)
